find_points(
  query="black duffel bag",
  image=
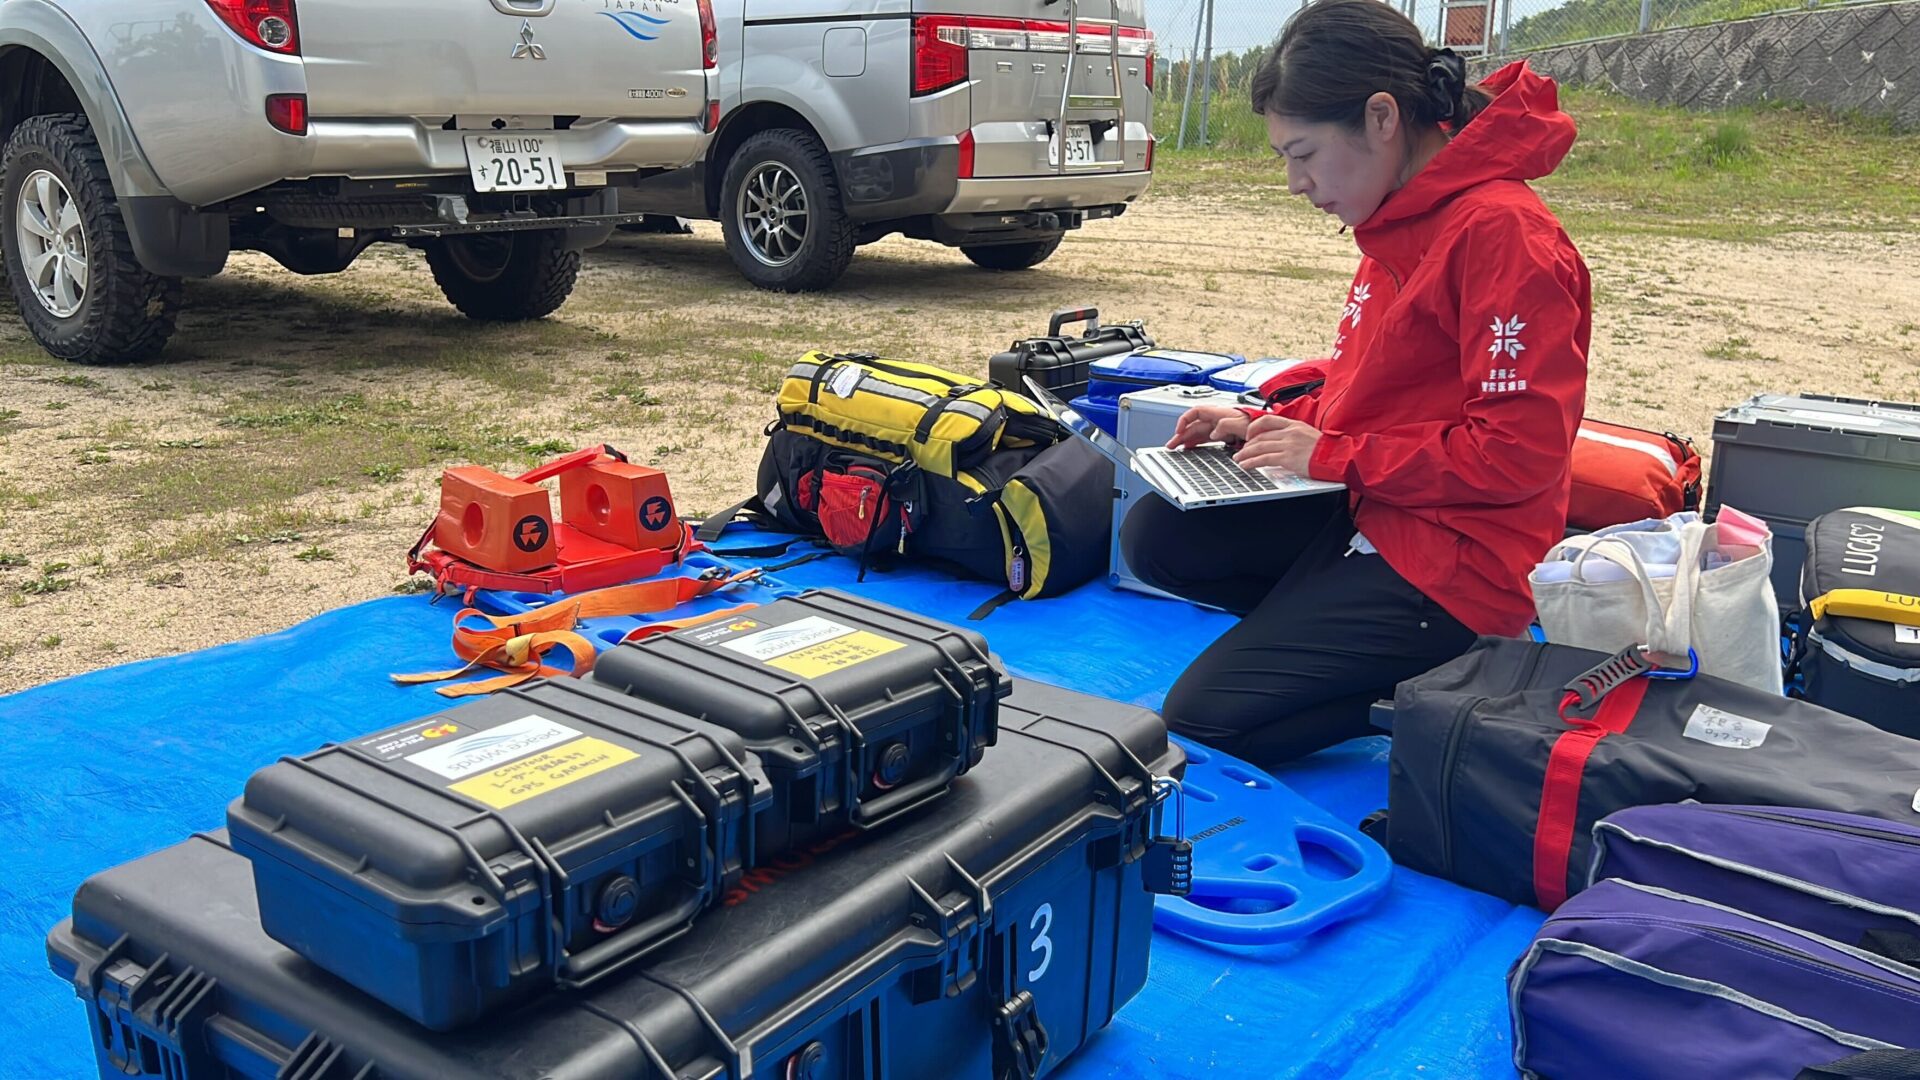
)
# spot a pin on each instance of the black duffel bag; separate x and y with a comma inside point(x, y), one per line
point(1490, 787)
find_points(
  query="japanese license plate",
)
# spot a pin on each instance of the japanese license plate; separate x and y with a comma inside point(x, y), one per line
point(515, 161)
point(1079, 144)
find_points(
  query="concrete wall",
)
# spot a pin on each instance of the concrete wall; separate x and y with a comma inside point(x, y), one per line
point(1864, 58)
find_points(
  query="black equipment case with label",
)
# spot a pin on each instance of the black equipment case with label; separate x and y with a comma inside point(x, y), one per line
point(542, 836)
point(987, 937)
point(858, 711)
point(1059, 363)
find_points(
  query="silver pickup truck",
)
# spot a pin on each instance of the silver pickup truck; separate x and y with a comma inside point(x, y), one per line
point(994, 126)
point(146, 139)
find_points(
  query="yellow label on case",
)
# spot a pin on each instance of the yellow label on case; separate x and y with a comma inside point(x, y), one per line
point(830, 656)
point(545, 771)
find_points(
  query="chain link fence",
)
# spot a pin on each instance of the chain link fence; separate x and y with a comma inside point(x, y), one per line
point(1209, 49)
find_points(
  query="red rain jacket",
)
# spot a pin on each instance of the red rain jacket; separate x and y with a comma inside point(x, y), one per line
point(1458, 379)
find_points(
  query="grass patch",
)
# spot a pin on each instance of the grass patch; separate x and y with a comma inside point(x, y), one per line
point(1746, 174)
point(1736, 348)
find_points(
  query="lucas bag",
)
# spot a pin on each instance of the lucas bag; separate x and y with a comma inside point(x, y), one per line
point(1503, 760)
point(1857, 636)
point(1677, 586)
point(1623, 473)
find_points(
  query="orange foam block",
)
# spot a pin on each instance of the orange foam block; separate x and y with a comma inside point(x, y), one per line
point(493, 521)
point(628, 505)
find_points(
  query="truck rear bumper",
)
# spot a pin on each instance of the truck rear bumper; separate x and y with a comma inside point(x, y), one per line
point(1073, 191)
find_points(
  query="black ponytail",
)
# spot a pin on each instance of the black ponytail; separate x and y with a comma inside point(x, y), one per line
point(1335, 54)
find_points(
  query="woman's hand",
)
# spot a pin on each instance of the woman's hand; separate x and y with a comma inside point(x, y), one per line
point(1277, 442)
point(1209, 423)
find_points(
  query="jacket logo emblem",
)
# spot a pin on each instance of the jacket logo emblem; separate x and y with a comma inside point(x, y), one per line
point(1506, 338)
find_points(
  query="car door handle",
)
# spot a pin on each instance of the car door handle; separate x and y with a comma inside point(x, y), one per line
point(531, 9)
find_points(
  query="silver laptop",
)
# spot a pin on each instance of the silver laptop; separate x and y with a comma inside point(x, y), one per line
point(1202, 476)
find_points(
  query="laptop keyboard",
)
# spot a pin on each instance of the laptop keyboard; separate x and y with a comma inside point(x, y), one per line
point(1211, 471)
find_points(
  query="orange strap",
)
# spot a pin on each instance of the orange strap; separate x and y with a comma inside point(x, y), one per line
point(518, 644)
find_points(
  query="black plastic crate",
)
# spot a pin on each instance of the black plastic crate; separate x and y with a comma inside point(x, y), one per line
point(859, 712)
point(988, 936)
point(1788, 458)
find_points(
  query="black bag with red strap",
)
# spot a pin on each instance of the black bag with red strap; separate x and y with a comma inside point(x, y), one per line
point(1504, 759)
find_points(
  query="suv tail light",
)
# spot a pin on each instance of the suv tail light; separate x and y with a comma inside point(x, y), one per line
point(709, 37)
point(266, 24)
point(939, 52)
point(1138, 41)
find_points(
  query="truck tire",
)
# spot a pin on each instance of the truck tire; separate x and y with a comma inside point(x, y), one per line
point(1022, 256)
point(81, 292)
point(505, 277)
point(781, 214)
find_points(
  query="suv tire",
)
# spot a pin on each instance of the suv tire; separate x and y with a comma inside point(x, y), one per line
point(505, 277)
point(1022, 256)
point(781, 214)
point(91, 301)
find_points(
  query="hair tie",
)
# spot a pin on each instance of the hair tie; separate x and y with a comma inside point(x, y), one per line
point(1446, 79)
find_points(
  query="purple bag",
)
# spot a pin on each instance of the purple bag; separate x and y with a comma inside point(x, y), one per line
point(1630, 980)
point(1852, 879)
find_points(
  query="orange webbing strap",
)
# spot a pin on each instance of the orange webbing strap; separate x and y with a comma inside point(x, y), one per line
point(519, 644)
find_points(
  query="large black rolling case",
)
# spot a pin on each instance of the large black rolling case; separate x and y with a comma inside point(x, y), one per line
point(986, 937)
point(859, 711)
point(541, 836)
point(1058, 362)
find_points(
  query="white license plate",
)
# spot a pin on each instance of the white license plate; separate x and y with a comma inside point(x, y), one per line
point(514, 161)
point(1079, 141)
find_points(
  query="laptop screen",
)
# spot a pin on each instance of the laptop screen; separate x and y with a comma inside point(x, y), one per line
point(1071, 419)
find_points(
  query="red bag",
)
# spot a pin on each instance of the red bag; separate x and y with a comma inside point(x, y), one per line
point(1623, 474)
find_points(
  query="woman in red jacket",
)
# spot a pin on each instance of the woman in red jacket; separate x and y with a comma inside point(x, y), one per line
point(1453, 392)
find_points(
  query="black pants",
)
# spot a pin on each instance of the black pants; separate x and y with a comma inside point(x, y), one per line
point(1323, 634)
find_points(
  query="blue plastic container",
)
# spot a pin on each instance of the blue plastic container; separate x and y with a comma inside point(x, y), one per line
point(1104, 412)
point(1148, 368)
point(1252, 375)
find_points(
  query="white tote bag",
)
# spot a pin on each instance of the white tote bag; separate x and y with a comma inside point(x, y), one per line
point(1609, 599)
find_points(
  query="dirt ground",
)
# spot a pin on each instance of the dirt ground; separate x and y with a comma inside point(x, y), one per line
point(280, 459)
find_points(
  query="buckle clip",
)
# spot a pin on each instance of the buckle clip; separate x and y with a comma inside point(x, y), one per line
point(1586, 689)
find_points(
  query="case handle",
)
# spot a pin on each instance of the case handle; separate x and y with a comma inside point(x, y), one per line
point(1059, 320)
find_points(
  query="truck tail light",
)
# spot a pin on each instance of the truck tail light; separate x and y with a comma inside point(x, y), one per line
point(266, 24)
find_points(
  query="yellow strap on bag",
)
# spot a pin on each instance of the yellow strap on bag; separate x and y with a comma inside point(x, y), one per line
point(900, 411)
point(1896, 608)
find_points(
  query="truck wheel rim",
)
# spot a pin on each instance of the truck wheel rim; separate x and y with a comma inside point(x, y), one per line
point(53, 244)
point(772, 213)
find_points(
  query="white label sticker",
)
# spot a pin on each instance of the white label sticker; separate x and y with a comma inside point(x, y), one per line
point(788, 637)
point(1710, 725)
point(1916, 802)
point(493, 747)
point(845, 381)
point(1836, 419)
point(1906, 635)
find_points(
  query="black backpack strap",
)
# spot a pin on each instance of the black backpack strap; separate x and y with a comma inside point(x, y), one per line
point(1871, 1065)
point(1004, 598)
point(715, 524)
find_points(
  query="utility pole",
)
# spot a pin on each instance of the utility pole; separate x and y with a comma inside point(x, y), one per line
point(1206, 80)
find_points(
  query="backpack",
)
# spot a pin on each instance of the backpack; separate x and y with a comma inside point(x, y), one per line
point(886, 460)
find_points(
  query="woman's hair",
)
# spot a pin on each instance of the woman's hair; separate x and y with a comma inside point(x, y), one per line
point(1335, 54)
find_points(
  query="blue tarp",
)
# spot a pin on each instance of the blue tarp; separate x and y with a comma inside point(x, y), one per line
point(103, 768)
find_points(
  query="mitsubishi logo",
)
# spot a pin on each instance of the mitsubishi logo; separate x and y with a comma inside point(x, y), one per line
point(527, 48)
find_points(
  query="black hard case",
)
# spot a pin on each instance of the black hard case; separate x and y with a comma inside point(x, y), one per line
point(858, 711)
point(560, 832)
point(988, 936)
point(1059, 362)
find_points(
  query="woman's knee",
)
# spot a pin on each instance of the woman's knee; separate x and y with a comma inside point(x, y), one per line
point(1150, 541)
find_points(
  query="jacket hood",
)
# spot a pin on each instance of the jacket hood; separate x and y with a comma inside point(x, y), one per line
point(1521, 135)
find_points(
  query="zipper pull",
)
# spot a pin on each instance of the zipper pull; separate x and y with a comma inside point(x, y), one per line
point(906, 526)
point(862, 512)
